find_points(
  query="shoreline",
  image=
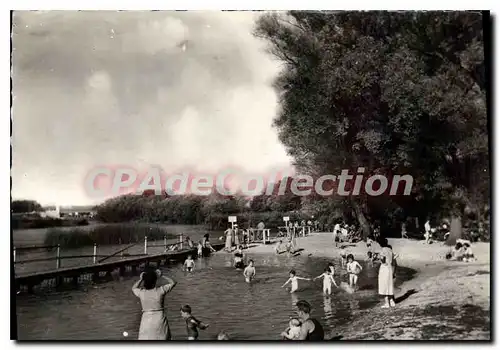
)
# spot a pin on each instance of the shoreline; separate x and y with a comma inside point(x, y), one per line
point(445, 300)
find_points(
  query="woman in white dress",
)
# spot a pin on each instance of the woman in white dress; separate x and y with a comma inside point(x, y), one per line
point(154, 323)
point(229, 239)
point(385, 275)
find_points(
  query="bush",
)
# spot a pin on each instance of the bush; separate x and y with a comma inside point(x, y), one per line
point(104, 235)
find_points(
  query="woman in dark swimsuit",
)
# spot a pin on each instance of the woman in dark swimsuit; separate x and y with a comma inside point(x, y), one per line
point(311, 329)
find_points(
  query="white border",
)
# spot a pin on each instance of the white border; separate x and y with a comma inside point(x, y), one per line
point(213, 5)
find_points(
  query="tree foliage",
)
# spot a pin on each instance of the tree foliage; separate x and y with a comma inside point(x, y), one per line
point(394, 92)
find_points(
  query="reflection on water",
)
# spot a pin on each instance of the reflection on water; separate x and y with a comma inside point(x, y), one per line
point(216, 292)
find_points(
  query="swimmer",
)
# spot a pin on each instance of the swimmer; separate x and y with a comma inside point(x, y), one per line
point(327, 281)
point(200, 250)
point(295, 281)
point(238, 260)
point(189, 264)
point(192, 324)
point(343, 256)
point(249, 272)
point(354, 269)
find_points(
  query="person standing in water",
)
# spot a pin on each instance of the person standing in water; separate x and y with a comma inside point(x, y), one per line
point(327, 281)
point(229, 239)
point(189, 264)
point(353, 269)
point(295, 281)
point(154, 323)
point(310, 328)
point(192, 324)
point(249, 272)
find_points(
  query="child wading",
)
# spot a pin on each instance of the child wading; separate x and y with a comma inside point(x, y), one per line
point(189, 264)
point(192, 324)
point(343, 256)
point(249, 272)
point(293, 330)
point(327, 281)
point(354, 269)
point(295, 281)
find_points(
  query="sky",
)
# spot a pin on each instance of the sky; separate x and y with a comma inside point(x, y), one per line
point(171, 89)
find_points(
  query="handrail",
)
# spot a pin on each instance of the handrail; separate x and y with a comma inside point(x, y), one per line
point(35, 247)
point(121, 250)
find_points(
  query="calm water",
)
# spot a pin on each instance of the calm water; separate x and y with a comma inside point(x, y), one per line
point(33, 237)
point(215, 291)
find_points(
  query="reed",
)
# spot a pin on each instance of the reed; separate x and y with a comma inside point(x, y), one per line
point(104, 235)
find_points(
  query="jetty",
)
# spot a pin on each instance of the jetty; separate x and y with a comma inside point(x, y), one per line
point(101, 268)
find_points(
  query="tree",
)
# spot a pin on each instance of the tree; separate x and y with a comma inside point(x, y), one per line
point(393, 92)
point(25, 206)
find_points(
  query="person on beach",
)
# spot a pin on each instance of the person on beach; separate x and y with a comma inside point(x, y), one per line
point(310, 328)
point(294, 279)
point(189, 264)
point(353, 269)
point(229, 239)
point(394, 262)
point(192, 324)
point(154, 323)
point(385, 275)
point(327, 281)
point(293, 330)
point(237, 236)
point(336, 232)
point(249, 272)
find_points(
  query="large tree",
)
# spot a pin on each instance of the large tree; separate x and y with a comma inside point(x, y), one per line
point(394, 92)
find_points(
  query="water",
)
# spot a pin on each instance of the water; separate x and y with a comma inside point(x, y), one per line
point(216, 292)
point(31, 237)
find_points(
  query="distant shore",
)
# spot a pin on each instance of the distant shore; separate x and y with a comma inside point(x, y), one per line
point(446, 300)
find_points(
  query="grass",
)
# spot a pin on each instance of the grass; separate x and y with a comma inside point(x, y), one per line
point(103, 235)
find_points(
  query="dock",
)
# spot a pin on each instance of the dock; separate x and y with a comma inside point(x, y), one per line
point(75, 275)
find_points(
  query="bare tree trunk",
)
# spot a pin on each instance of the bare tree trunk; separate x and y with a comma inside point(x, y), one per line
point(455, 230)
point(363, 222)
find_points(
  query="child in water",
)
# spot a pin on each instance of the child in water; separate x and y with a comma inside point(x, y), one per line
point(293, 330)
point(295, 281)
point(189, 264)
point(353, 269)
point(238, 259)
point(200, 250)
point(192, 324)
point(249, 272)
point(327, 281)
point(343, 256)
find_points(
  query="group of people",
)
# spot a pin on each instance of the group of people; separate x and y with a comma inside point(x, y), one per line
point(342, 232)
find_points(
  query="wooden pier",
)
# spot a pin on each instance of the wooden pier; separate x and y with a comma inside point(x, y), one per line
point(94, 271)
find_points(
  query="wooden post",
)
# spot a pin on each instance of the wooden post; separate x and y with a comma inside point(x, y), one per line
point(14, 253)
point(145, 244)
point(181, 240)
point(165, 242)
point(95, 252)
point(58, 256)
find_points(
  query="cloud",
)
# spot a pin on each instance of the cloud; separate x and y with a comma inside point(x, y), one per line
point(116, 87)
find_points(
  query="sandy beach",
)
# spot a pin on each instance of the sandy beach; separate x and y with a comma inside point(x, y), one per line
point(447, 300)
